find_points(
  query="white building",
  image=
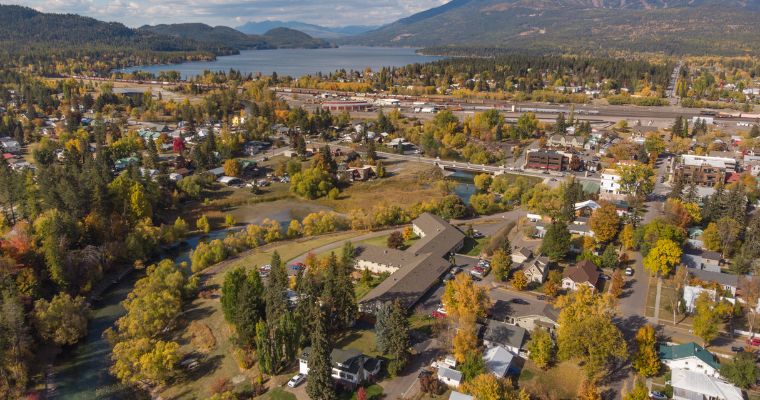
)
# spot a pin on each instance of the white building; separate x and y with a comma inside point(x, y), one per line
point(450, 377)
point(723, 163)
point(689, 356)
point(610, 185)
point(691, 293)
point(689, 385)
point(349, 367)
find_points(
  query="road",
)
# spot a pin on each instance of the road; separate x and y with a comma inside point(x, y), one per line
point(465, 166)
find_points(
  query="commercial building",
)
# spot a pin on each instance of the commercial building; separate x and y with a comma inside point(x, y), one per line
point(347, 105)
point(703, 170)
point(547, 160)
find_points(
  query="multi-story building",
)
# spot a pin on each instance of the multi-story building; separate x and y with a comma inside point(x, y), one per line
point(704, 170)
point(547, 160)
point(610, 188)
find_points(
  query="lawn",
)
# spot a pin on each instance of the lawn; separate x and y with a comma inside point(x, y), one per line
point(361, 288)
point(359, 339)
point(278, 394)
point(473, 247)
point(374, 392)
point(382, 241)
point(559, 382)
point(209, 328)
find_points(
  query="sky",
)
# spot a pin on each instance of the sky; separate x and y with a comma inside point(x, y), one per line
point(233, 13)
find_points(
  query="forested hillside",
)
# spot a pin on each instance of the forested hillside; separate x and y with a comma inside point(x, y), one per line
point(672, 27)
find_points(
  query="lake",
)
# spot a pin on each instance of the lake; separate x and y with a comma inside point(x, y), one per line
point(299, 62)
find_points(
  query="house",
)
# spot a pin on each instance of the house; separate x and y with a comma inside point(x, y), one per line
point(459, 396)
point(537, 269)
point(565, 141)
point(689, 385)
point(498, 333)
point(229, 180)
point(540, 230)
point(521, 255)
point(586, 208)
point(450, 377)
point(413, 271)
point(690, 295)
point(546, 320)
point(610, 186)
point(701, 259)
point(499, 361)
point(217, 172)
point(729, 283)
point(580, 227)
point(350, 367)
point(583, 273)
point(689, 356)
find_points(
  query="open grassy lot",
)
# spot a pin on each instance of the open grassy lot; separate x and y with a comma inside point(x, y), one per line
point(473, 247)
point(406, 186)
point(201, 327)
point(559, 382)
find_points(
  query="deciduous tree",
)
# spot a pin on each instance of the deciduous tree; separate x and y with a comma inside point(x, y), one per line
point(605, 223)
point(646, 360)
point(665, 256)
point(63, 320)
point(541, 347)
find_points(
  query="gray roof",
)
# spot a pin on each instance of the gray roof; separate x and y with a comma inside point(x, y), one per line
point(526, 252)
point(498, 360)
point(459, 396)
point(504, 334)
point(440, 236)
point(349, 360)
point(719, 277)
point(419, 267)
point(448, 373)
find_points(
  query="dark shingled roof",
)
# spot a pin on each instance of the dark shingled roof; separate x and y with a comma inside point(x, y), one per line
point(504, 334)
point(584, 271)
point(419, 267)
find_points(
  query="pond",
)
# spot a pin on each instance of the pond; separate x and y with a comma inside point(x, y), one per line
point(465, 187)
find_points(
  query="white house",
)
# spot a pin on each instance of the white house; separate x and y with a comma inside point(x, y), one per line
point(498, 361)
point(349, 367)
point(689, 385)
point(689, 356)
point(585, 273)
point(610, 185)
point(691, 293)
point(521, 255)
point(450, 377)
point(537, 270)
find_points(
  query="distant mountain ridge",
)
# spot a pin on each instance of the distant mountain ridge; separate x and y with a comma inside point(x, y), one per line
point(317, 31)
point(670, 26)
point(273, 39)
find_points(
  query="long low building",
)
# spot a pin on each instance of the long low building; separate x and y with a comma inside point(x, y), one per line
point(415, 270)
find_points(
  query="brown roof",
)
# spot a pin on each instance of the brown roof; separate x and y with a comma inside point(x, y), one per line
point(584, 271)
point(385, 256)
point(410, 282)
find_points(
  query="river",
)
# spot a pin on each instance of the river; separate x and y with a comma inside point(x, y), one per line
point(81, 372)
point(299, 62)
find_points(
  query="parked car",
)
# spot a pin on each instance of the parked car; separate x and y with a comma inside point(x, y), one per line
point(657, 396)
point(477, 234)
point(755, 341)
point(541, 297)
point(448, 277)
point(296, 380)
point(737, 349)
point(456, 270)
point(629, 271)
point(520, 301)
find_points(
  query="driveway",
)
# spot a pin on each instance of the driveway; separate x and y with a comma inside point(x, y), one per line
point(406, 385)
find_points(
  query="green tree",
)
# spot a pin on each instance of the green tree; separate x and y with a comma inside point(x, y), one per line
point(63, 320)
point(639, 392)
point(395, 341)
point(556, 242)
point(706, 318)
point(586, 332)
point(646, 360)
point(636, 180)
point(663, 258)
point(483, 182)
point(541, 347)
point(180, 227)
point(728, 232)
point(202, 224)
point(15, 347)
point(320, 384)
point(501, 262)
point(742, 371)
point(472, 366)
point(243, 302)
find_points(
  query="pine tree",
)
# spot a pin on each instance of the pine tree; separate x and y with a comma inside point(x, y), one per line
point(398, 337)
point(560, 126)
point(678, 187)
point(320, 384)
point(275, 295)
point(677, 129)
point(754, 132)
point(338, 295)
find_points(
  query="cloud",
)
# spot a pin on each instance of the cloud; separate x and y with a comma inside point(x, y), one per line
point(236, 12)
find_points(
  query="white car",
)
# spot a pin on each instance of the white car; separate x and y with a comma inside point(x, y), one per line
point(296, 380)
point(629, 271)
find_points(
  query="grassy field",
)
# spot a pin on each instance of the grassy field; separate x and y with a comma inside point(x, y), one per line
point(559, 382)
point(473, 247)
point(278, 394)
point(202, 324)
point(405, 187)
point(359, 339)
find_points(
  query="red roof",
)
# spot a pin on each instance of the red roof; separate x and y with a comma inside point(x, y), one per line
point(733, 177)
point(7, 156)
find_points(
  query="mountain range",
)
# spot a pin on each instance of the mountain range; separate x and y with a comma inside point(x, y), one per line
point(23, 29)
point(317, 31)
point(727, 27)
